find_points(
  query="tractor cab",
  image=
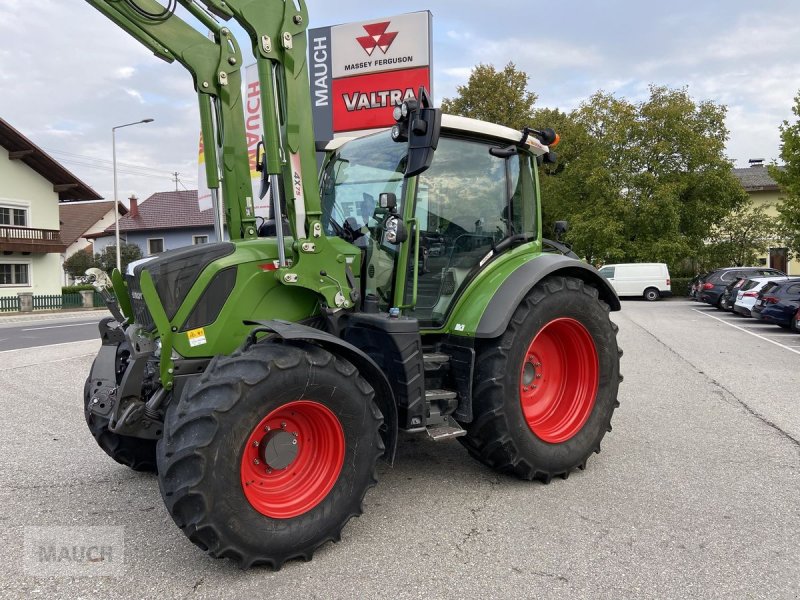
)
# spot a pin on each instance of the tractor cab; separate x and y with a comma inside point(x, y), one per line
point(469, 206)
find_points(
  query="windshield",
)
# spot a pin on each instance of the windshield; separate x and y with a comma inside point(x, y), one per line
point(354, 177)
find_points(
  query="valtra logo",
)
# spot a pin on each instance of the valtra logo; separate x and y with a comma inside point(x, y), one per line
point(378, 37)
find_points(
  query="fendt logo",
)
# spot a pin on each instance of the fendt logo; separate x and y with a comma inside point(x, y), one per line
point(378, 37)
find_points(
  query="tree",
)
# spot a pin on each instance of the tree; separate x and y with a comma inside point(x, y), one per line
point(495, 96)
point(642, 181)
point(75, 266)
point(107, 260)
point(740, 237)
point(788, 178)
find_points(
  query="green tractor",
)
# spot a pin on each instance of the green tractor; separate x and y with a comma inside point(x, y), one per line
point(405, 285)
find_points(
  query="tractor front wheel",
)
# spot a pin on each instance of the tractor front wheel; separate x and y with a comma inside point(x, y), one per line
point(269, 453)
point(545, 390)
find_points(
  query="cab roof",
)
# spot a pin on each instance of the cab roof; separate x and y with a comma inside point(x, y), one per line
point(466, 125)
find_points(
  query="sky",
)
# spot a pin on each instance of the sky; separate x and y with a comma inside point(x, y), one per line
point(68, 75)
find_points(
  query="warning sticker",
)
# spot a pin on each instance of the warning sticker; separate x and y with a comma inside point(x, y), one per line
point(197, 337)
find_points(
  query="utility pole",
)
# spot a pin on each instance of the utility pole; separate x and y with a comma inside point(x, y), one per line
point(175, 173)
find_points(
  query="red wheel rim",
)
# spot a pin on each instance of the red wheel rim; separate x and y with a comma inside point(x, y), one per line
point(558, 380)
point(299, 480)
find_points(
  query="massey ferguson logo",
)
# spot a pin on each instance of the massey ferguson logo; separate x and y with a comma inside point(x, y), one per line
point(378, 37)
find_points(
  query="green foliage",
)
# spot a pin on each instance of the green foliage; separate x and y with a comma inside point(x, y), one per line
point(75, 266)
point(107, 260)
point(495, 96)
point(789, 179)
point(640, 181)
point(74, 289)
point(740, 237)
point(680, 285)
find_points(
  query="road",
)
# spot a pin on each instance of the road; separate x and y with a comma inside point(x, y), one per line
point(695, 492)
point(48, 330)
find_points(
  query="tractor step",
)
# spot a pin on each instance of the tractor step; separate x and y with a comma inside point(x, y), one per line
point(436, 395)
point(445, 431)
point(436, 362)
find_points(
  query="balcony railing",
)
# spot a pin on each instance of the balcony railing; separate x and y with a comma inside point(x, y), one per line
point(30, 239)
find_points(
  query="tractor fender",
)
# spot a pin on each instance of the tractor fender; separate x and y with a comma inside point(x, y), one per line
point(369, 370)
point(516, 286)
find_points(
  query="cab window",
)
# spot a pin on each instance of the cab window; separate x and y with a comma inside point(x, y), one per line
point(466, 203)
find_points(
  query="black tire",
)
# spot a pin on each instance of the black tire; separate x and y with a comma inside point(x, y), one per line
point(499, 435)
point(651, 294)
point(204, 459)
point(135, 453)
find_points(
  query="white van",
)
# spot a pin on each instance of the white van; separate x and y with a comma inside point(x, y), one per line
point(649, 280)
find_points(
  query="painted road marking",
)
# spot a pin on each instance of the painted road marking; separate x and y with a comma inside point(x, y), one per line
point(59, 326)
point(761, 337)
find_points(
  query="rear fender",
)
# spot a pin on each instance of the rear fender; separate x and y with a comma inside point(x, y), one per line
point(521, 281)
point(369, 370)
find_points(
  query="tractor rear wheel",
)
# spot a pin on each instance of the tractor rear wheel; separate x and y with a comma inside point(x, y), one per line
point(269, 453)
point(138, 454)
point(545, 390)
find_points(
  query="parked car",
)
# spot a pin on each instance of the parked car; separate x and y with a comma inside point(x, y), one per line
point(716, 281)
point(748, 293)
point(730, 293)
point(649, 280)
point(778, 302)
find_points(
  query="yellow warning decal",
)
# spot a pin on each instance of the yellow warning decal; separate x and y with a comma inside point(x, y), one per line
point(197, 337)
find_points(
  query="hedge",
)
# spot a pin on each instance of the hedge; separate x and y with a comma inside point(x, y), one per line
point(679, 285)
point(74, 289)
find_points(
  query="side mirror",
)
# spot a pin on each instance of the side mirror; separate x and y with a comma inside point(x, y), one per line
point(396, 232)
point(419, 124)
point(387, 201)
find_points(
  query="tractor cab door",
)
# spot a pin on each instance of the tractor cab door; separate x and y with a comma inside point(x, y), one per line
point(466, 203)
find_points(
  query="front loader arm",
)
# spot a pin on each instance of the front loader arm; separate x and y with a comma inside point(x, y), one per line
point(215, 66)
point(277, 31)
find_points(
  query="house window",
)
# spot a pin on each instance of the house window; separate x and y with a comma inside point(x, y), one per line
point(155, 245)
point(16, 217)
point(14, 274)
point(199, 239)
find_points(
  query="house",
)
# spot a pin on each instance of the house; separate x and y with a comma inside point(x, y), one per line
point(82, 219)
point(32, 184)
point(165, 221)
point(765, 191)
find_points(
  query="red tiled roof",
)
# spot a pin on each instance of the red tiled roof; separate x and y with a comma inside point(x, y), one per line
point(166, 210)
point(78, 217)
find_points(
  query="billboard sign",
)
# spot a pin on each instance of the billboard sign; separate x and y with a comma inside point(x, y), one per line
point(360, 71)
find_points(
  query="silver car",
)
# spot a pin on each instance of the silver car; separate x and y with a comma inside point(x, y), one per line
point(748, 293)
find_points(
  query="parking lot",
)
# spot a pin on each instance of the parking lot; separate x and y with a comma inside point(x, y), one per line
point(695, 492)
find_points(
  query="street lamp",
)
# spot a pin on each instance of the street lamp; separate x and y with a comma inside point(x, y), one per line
point(116, 202)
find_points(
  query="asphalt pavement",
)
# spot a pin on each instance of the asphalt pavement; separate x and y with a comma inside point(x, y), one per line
point(694, 495)
point(35, 330)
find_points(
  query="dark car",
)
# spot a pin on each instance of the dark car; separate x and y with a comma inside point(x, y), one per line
point(730, 292)
point(778, 302)
point(716, 281)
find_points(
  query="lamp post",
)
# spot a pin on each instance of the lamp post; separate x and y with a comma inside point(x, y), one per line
point(116, 202)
